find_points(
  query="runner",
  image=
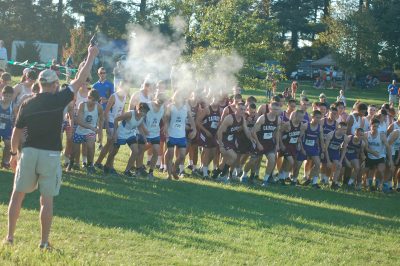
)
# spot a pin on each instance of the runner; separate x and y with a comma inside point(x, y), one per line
point(90, 124)
point(152, 124)
point(175, 117)
point(311, 146)
point(335, 151)
point(227, 140)
point(115, 107)
point(132, 122)
point(207, 122)
point(6, 123)
point(378, 151)
point(292, 131)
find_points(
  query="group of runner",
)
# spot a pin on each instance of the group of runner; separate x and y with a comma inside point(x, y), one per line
point(358, 150)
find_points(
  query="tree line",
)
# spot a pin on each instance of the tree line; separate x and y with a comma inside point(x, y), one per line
point(363, 35)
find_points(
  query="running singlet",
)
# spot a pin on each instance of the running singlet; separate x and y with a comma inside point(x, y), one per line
point(152, 121)
point(117, 108)
point(334, 146)
point(267, 132)
point(311, 138)
point(78, 101)
point(6, 120)
point(128, 127)
point(376, 144)
point(291, 138)
point(353, 149)
point(328, 128)
point(285, 116)
point(89, 117)
point(230, 135)
point(177, 123)
point(211, 121)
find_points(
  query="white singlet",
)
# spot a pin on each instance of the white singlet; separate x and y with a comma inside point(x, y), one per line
point(127, 128)
point(143, 98)
point(89, 117)
point(376, 144)
point(21, 95)
point(396, 144)
point(177, 123)
point(117, 108)
point(79, 99)
point(152, 121)
point(358, 123)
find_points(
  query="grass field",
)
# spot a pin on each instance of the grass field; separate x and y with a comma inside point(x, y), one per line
point(118, 221)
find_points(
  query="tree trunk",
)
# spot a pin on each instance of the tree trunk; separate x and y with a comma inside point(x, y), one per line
point(266, 4)
point(60, 9)
point(327, 4)
point(295, 39)
point(142, 11)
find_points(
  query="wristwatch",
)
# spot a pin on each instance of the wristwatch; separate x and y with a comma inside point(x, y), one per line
point(13, 153)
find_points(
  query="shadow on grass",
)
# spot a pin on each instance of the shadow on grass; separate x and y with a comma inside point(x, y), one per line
point(185, 213)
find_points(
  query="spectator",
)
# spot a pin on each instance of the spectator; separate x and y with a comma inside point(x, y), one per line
point(294, 88)
point(341, 97)
point(3, 56)
point(104, 87)
point(322, 99)
point(393, 91)
point(55, 67)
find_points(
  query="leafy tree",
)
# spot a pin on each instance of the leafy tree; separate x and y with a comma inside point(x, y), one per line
point(235, 25)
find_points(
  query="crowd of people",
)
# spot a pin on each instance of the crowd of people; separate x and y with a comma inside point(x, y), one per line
point(356, 149)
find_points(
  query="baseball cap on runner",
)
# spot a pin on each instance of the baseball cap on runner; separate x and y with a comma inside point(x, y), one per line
point(48, 76)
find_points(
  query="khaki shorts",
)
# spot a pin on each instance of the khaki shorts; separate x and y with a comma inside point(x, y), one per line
point(41, 168)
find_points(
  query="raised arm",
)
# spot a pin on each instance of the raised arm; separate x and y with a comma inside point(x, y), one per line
point(84, 73)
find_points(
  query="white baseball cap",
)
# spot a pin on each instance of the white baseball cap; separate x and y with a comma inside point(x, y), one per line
point(48, 76)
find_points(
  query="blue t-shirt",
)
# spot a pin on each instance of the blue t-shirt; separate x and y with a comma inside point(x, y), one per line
point(105, 89)
point(394, 91)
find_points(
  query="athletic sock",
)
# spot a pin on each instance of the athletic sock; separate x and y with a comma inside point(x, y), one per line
point(205, 171)
point(158, 160)
point(369, 181)
point(191, 162)
point(84, 159)
point(315, 180)
point(351, 181)
point(181, 168)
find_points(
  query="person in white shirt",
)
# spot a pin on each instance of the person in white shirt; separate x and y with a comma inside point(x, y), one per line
point(3, 56)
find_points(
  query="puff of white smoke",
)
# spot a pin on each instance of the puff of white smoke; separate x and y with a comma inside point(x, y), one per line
point(153, 56)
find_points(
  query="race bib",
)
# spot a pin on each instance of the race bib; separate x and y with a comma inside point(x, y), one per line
point(310, 142)
point(2, 125)
point(293, 140)
point(214, 125)
point(268, 135)
point(230, 137)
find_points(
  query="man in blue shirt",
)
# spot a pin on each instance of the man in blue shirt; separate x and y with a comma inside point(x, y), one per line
point(393, 92)
point(104, 87)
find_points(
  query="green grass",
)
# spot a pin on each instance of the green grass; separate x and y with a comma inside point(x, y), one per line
point(116, 221)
